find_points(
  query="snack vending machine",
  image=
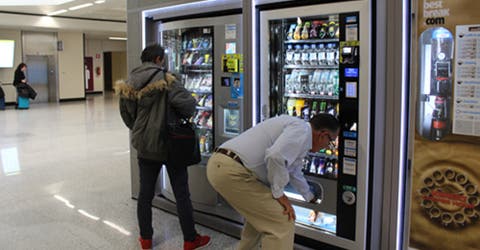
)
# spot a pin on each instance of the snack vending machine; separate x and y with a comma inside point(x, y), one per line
point(315, 59)
point(206, 55)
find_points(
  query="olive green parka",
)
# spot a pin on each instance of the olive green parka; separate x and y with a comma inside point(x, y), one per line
point(143, 108)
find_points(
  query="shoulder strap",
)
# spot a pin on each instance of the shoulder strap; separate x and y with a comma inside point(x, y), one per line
point(151, 77)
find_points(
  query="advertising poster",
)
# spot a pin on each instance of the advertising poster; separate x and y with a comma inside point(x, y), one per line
point(236, 90)
point(232, 63)
point(445, 200)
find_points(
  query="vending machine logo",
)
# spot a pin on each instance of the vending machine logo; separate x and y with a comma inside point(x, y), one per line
point(449, 198)
point(434, 12)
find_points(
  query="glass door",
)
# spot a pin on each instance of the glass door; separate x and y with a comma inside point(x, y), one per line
point(304, 73)
point(190, 54)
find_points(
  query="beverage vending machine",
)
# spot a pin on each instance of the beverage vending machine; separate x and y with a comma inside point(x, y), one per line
point(315, 59)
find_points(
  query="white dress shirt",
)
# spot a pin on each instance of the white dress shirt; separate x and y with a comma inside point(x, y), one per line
point(274, 150)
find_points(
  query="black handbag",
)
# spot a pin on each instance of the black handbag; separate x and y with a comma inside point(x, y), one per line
point(183, 143)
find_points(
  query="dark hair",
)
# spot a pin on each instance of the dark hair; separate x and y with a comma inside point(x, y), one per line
point(150, 53)
point(20, 66)
point(324, 121)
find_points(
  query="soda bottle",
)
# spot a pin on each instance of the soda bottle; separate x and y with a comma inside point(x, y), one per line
point(439, 119)
point(331, 30)
point(306, 112)
point(291, 106)
point(313, 167)
point(314, 109)
point(298, 107)
point(329, 167)
point(315, 28)
point(208, 142)
point(290, 32)
point(322, 34)
point(337, 30)
point(202, 144)
point(335, 79)
point(306, 31)
point(321, 166)
point(297, 35)
point(323, 107)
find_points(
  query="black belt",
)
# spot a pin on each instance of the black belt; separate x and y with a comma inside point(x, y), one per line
point(230, 154)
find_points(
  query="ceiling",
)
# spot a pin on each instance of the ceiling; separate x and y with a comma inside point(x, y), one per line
point(111, 10)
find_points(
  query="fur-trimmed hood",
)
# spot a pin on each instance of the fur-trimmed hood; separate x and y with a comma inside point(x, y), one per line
point(137, 86)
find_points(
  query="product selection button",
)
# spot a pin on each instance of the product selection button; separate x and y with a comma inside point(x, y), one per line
point(349, 166)
point(350, 148)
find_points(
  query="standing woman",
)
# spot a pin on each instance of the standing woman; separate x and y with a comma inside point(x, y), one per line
point(143, 108)
point(20, 74)
point(24, 90)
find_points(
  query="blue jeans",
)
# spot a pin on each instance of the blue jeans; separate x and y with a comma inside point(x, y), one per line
point(178, 175)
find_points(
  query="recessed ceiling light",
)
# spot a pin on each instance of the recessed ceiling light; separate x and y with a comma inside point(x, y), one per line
point(117, 38)
point(34, 2)
point(99, 1)
point(57, 12)
point(81, 6)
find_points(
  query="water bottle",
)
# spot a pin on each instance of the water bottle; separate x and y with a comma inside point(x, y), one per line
point(297, 55)
point(336, 54)
point(324, 81)
point(321, 56)
point(289, 55)
point(305, 55)
point(312, 56)
point(330, 55)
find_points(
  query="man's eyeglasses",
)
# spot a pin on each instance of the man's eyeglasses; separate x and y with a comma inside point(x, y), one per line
point(331, 142)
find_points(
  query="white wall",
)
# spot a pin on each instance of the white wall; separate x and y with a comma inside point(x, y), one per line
point(6, 75)
point(95, 48)
point(71, 76)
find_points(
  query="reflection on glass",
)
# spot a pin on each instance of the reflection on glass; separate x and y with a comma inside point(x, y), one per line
point(65, 201)
point(10, 161)
point(118, 228)
point(88, 215)
point(294, 196)
point(323, 221)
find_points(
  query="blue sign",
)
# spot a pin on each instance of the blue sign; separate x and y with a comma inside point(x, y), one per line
point(351, 19)
point(350, 134)
point(351, 72)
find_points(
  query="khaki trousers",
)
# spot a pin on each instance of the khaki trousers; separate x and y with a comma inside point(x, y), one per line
point(265, 222)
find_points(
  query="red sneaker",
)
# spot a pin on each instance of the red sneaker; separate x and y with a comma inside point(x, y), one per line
point(199, 243)
point(146, 244)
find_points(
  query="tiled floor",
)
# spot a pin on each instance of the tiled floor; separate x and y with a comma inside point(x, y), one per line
point(65, 181)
